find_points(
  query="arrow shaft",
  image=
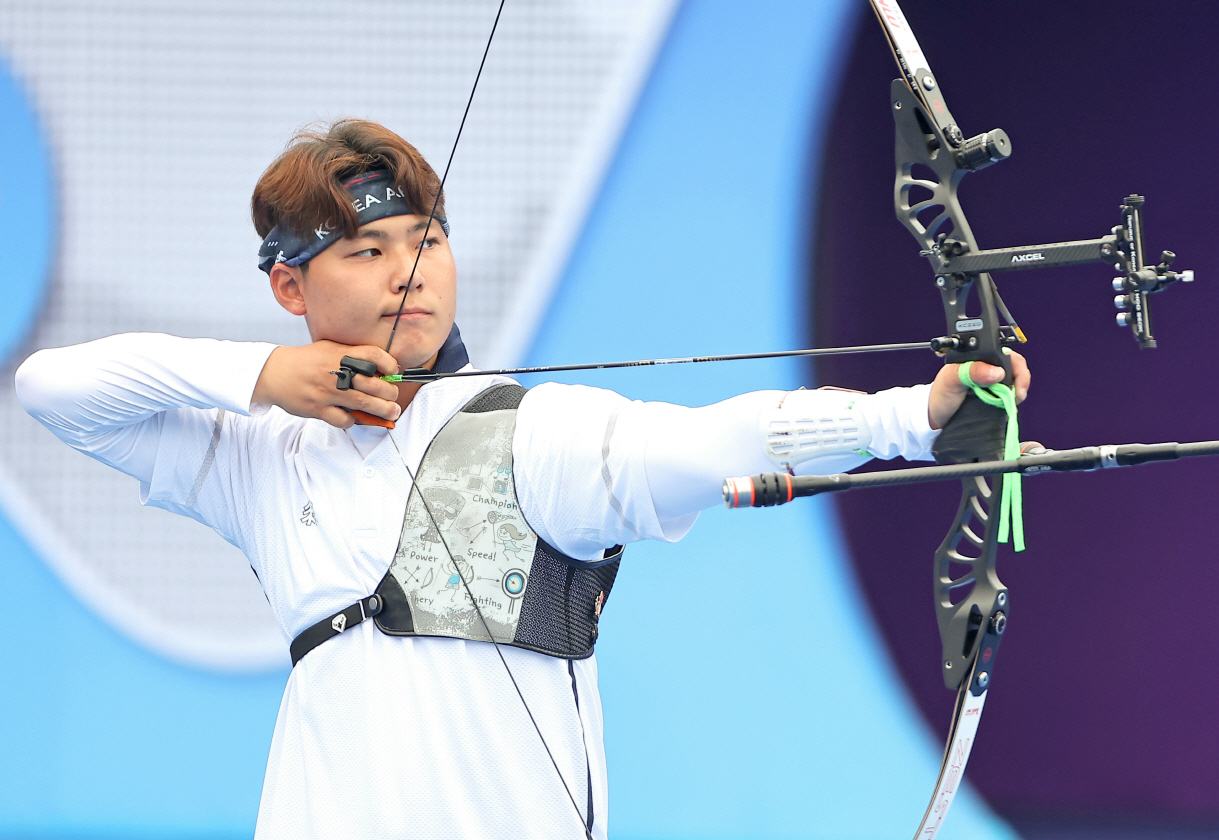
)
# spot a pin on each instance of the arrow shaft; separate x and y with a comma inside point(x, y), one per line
point(429, 376)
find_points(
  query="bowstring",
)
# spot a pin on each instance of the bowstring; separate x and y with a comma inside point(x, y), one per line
point(427, 508)
point(444, 177)
point(487, 629)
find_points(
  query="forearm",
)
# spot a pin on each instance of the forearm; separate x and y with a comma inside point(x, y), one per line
point(690, 451)
point(102, 397)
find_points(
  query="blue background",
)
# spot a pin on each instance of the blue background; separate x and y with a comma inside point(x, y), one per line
point(747, 694)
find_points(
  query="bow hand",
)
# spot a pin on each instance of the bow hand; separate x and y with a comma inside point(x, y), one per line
point(948, 392)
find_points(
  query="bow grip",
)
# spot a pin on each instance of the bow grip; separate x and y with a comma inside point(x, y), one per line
point(977, 431)
point(349, 366)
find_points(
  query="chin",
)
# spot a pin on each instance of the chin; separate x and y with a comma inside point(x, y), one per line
point(414, 358)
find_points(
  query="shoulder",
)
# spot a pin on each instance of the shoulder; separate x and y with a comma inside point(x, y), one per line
point(553, 397)
point(442, 399)
point(563, 423)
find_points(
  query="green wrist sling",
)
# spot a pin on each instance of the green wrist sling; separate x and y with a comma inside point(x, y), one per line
point(1011, 505)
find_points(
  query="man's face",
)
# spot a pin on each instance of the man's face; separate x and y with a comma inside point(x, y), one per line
point(351, 291)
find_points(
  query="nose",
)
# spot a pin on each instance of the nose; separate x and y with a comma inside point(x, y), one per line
point(408, 270)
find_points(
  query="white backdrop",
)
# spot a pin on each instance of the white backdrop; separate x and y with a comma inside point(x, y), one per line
point(160, 116)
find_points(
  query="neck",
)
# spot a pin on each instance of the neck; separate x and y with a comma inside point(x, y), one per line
point(408, 390)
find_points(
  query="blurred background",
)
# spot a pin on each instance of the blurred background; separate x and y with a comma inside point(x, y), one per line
point(637, 178)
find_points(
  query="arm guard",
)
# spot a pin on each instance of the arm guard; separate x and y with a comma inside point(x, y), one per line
point(814, 424)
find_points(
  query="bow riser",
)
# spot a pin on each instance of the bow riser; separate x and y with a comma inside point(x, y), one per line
point(976, 431)
point(968, 593)
point(920, 143)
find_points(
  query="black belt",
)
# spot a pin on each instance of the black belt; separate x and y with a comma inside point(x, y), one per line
point(330, 627)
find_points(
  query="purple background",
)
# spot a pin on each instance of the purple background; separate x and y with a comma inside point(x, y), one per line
point(1107, 694)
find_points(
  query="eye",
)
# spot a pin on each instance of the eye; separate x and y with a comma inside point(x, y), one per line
point(429, 243)
point(367, 252)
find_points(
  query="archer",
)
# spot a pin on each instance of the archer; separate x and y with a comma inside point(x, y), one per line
point(426, 571)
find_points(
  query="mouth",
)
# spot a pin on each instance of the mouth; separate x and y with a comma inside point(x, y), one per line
point(409, 312)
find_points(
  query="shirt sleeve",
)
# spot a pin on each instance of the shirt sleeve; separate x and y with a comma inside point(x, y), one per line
point(144, 403)
point(594, 469)
point(899, 423)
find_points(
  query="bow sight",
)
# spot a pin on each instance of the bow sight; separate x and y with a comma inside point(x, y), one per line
point(956, 265)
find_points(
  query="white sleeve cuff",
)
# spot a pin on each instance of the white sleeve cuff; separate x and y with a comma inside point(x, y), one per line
point(898, 421)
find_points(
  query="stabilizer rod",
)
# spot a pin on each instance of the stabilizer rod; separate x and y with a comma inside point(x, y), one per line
point(770, 489)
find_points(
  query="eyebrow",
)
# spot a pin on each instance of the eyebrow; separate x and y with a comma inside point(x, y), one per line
point(368, 232)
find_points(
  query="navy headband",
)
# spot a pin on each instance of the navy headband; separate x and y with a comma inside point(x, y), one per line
point(374, 197)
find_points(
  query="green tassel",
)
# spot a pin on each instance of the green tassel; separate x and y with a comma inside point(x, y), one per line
point(1011, 502)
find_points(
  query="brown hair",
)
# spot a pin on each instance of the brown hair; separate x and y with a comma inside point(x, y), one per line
point(303, 185)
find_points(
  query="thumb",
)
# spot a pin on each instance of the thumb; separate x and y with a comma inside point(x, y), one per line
point(983, 374)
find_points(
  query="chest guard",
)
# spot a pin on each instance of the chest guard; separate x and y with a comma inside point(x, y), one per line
point(463, 522)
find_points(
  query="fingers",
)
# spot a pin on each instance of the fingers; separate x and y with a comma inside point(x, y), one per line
point(1023, 378)
point(300, 380)
point(948, 391)
point(983, 374)
point(336, 417)
point(345, 419)
point(372, 386)
point(372, 400)
point(361, 400)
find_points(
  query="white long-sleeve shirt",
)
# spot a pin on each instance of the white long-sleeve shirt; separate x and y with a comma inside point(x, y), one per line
point(393, 736)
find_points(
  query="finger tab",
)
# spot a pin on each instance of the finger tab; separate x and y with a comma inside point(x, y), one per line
point(359, 365)
point(366, 419)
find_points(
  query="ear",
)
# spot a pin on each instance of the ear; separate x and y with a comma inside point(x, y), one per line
point(286, 284)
